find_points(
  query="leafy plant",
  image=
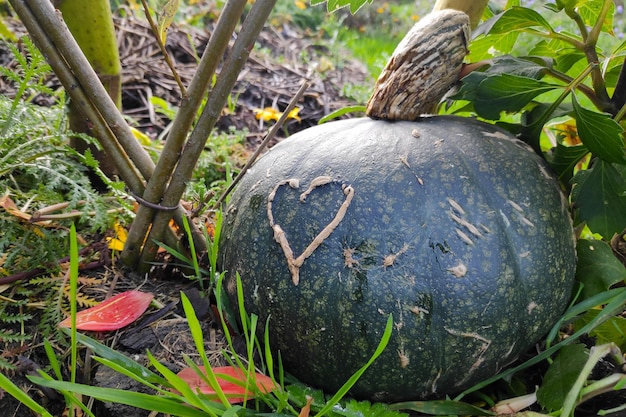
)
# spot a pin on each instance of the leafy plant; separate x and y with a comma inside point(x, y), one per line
point(564, 79)
point(38, 169)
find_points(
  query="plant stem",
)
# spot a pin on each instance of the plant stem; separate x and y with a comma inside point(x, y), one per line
point(473, 8)
point(180, 127)
point(597, 79)
point(166, 56)
point(619, 95)
point(271, 134)
point(246, 38)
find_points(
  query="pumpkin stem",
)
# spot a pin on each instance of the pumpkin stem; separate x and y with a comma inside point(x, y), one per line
point(423, 67)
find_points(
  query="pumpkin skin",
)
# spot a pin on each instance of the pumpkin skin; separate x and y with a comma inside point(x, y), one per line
point(455, 227)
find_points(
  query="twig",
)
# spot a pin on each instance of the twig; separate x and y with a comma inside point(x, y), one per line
point(21, 276)
point(270, 135)
point(168, 60)
point(180, 127)
point(246, 38)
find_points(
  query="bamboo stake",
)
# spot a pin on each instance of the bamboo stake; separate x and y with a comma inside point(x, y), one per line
point(180, 127)
point(228, 76)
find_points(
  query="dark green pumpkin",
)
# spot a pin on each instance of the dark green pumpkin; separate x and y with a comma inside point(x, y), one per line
point(452, 225)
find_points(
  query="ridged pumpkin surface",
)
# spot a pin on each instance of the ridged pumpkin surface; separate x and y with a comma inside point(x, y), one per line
point(451, 225)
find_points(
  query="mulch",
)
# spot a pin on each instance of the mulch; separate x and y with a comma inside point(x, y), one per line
point(271, 77)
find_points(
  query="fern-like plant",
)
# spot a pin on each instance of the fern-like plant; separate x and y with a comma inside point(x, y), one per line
point(38, 169)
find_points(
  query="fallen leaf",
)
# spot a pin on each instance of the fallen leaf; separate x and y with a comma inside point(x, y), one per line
point(306, 410)
point(235, 392)
point(113, 313)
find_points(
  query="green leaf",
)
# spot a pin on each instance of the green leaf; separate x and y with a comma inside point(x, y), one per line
point(442, 408)
point(565, 158)
point(334, 5)
point(142, 373)
point(516, 19)
point(340, 112)
point(365, 409)
point(486, 47)
point(136, 399)
point(600, 133)
point(611, 331)
point(9, 387)
point(599, 197)
point(589, 10)
point(166, 17)
point(597, 268)
point(560, 377)
point(509, 93)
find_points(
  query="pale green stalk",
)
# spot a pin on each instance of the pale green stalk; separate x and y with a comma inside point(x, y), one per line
point(180, 127)
point(217, 100)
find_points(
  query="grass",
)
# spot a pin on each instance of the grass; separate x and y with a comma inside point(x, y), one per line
point(597, 315)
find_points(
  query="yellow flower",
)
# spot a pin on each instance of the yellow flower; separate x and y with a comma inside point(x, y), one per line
point(117, 243)
point(270, 113)
point(294, 114)
point(267, 114)
point(300, 4)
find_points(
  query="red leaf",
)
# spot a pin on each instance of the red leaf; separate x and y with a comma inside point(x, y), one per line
point(235, 392)
point(113, 313)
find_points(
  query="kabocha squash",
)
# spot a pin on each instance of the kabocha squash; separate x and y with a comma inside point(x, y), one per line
point(451, 225)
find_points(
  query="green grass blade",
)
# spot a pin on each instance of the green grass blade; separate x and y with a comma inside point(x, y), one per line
point(198, 338)
point(442, 408)
point(136, 399)
point(614, 300)
point(52, 357)
point(355, 377)
point(103, 351)
point(9, 387)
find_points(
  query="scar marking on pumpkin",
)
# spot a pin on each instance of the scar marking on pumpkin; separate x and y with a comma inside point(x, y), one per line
point(459, 270)
point(405, 160)
point(389, 260)
point(316, 182)
point(497, 135)
point(531, 306)
point(420, 311)
point(294, 263)
point(485, 344)
point(456, 206)
point(469, 226)
point(515, 206)
point(507, 223)
point(526, 221)
point(404, 358)
point(465, 238)
point(348, 259)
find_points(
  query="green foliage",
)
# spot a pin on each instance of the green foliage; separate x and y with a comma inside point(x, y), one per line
point(38, 169)
point(562, 77)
